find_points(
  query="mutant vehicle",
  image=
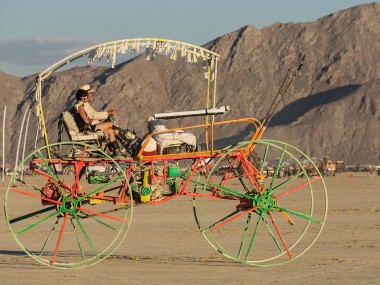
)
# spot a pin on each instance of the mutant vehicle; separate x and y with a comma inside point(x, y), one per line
point(258, 201)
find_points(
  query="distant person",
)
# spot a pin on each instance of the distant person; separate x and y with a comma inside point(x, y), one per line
point(86, 116)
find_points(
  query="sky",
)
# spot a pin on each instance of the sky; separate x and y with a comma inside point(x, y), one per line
point(34, 34)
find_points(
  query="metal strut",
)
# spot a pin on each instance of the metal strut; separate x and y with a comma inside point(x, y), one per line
point(291, 74)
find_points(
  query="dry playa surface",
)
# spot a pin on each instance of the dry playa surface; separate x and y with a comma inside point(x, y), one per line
point(164, 246)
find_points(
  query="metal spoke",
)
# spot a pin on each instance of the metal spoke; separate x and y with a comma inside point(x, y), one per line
point(86, 237)
point(100, 188)
point(307, 217)
point(78, 240)
point(54, 176)
point(264, 158)
point(231, 218)
point(49, 236)
point(32, 214)
point(253, 236)
point(244, 233)
point(34, 195)
point(37, 223)
point(277, 168)
point(102, 215)
point(59, 239)
point(280, 235)
point(297, 187)
point(215, 225)
point(286, 181)
point(272, 234)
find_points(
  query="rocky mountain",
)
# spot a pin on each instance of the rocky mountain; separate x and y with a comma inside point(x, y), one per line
point(332, 109)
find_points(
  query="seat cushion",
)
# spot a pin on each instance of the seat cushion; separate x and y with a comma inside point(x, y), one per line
point(84, 137)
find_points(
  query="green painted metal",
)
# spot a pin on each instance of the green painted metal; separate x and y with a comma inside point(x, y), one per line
point(254, 207)
point(112, 220)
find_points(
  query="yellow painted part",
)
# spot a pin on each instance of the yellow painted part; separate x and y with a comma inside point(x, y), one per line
point(94, 201)
point(207, 104)
point(144, 198)
point(146, 178)
point(287, 217)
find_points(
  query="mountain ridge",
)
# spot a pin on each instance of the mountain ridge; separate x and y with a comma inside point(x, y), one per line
point(330, 110)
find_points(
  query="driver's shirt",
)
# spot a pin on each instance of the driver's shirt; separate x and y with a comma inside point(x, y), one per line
point(93, 115)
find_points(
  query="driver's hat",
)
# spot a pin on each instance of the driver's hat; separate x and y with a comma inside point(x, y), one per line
point(86, 87)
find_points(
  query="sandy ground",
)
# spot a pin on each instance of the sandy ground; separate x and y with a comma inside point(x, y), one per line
point(163, 246)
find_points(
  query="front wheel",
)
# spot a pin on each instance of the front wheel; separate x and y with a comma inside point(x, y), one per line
point(69, 212)
point(271, 203)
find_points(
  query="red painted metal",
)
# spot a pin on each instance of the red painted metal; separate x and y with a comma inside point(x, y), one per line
point(59, 238)
point(298, 187)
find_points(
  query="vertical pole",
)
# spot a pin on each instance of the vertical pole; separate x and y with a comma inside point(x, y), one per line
point(207, 102)
point(26, 134)
point(5, 113)
point(213, 105)
point(19, 138)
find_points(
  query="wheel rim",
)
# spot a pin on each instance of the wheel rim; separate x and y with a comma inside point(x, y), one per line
point(253, 222)
point(69, 221)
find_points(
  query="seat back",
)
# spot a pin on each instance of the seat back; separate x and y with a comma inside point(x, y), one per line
point(73, 132)
point(70, 125)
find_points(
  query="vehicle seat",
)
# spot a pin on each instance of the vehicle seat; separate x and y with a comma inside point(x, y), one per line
point(73, 132)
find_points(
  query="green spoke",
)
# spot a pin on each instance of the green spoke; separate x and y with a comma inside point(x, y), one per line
point(31, 215)
point(78, 240)
point(244, 234)
point(51, 173)
point(100, 222)
point(277, 168)
point(26, 184)
point(37, 223)
point(287, 181)
point(220, 221)
point(100, 188)
point(272, 234)
point(49, 237)
point(253, 236)
point(238, 194)
point(86, 236)
point(264, 158)
point(298, 214)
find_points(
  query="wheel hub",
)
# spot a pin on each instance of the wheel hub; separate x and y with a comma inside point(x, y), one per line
point(265, 203)
point(69, 205)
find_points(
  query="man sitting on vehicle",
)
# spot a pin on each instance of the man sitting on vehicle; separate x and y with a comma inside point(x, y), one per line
point(88, 119)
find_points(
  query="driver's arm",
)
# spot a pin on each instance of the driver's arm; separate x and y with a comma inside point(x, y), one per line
point(94, 115)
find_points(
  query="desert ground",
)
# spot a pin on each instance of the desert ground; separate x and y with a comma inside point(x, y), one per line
point(164, 246)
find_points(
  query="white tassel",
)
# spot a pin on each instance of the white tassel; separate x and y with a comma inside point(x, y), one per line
point(202, 54)
point(189, 57)
point(212, 62)
point(195, 55)
point(125, 47)
point(114, 57)
point(174, 55)
point(183, 52)
point(166, 48)
point(134, 47)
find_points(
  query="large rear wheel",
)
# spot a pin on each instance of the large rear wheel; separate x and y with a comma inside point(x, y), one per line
point(272, 203)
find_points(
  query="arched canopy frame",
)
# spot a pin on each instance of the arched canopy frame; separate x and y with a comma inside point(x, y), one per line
point(151, 46)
